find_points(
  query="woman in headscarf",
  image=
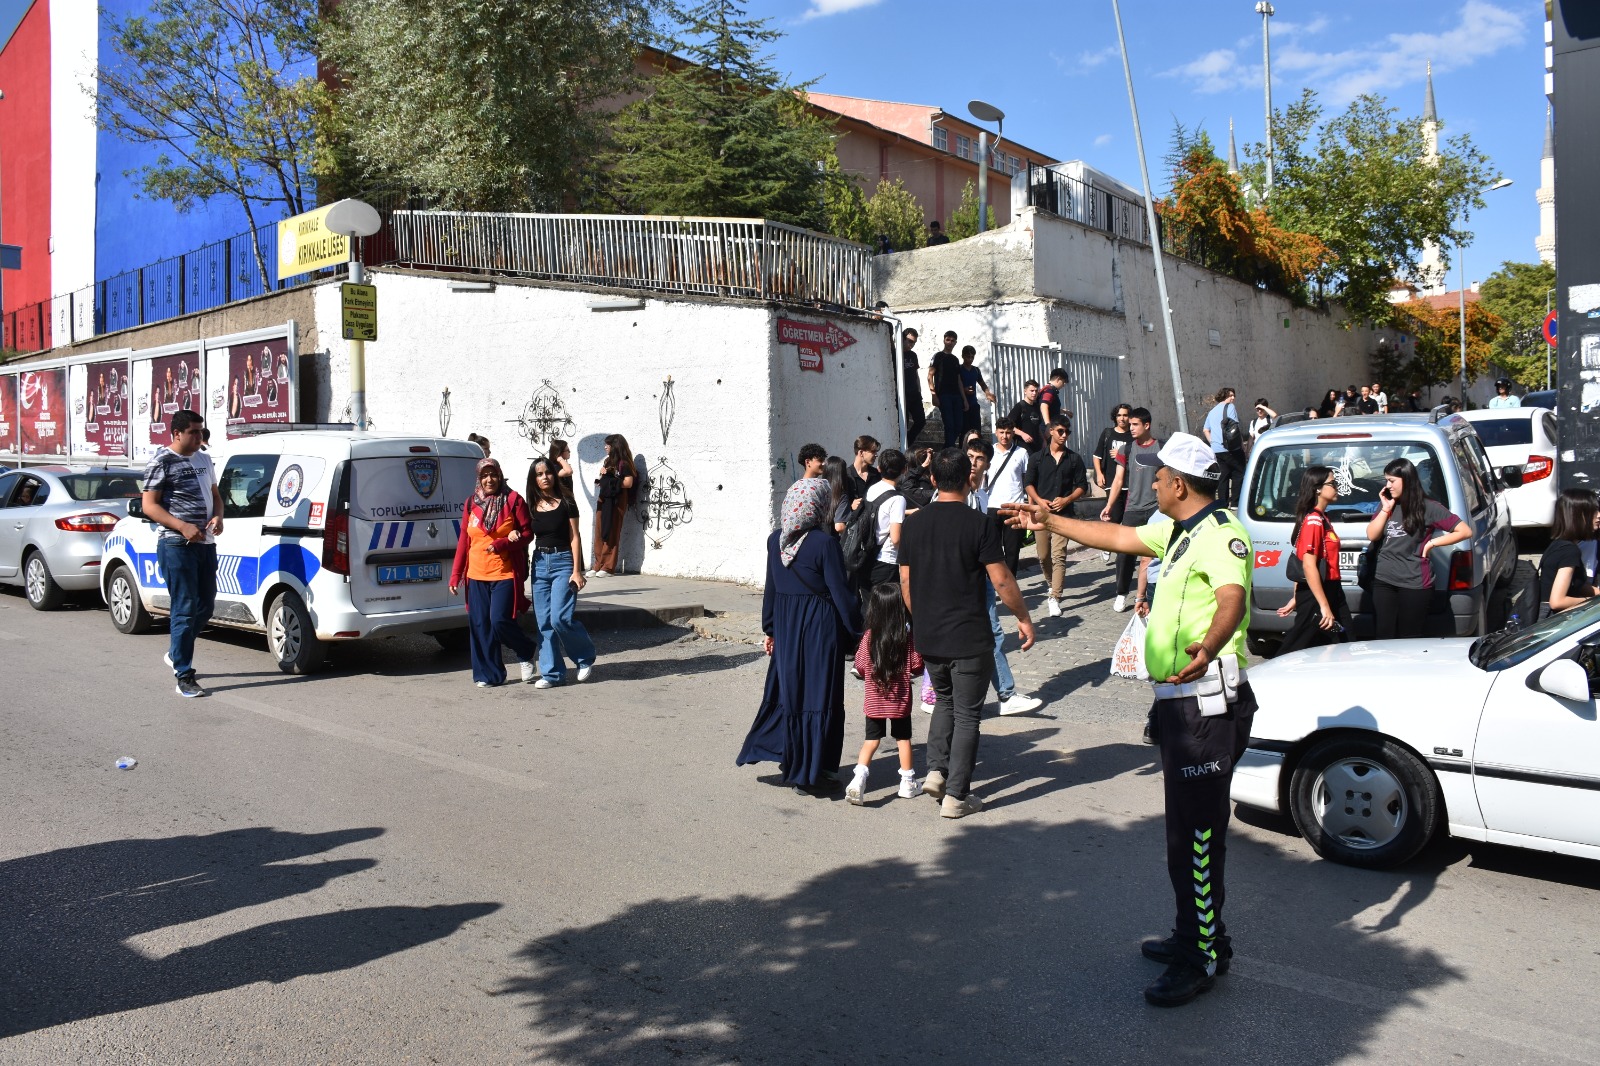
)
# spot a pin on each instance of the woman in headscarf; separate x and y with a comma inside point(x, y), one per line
point(812, 621)
point(492, 556)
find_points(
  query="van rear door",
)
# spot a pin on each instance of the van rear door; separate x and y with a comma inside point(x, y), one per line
point(406, 498)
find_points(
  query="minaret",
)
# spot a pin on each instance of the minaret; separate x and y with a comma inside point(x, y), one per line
point(1233, 151)
point(1431, 273)
point(1546, 241)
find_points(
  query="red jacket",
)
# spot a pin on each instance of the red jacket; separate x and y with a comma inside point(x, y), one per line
point(514, 553)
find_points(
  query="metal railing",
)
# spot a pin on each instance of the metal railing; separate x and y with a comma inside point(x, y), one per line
point(1059, 194)
point(747, 258)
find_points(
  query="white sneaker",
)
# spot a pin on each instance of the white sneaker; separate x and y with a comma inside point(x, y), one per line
point(585, 671)
point(528, 673)
point(1052, 607)
point(1105, 557)
point(1121, 604)
point(482, 684)
point(1020, 704)
point(544, 683)
point(600, 573)
point(855, 790)
point(910, 788)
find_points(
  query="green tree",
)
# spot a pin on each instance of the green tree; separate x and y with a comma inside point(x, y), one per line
point(480, 104)
point(964, 219)
point(1358, 184)
point(894, 213)
point(226, 93)
point(844, 205)
point(725, 135)
point(1518, 294)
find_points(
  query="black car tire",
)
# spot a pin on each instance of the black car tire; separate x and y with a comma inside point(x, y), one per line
point(454, 641)
point(128, 612)
point(39, 584)
point(1364, 801)
point(291, 637)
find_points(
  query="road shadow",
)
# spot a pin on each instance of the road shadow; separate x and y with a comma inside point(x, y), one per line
point(68, 916)
point(1017, 942)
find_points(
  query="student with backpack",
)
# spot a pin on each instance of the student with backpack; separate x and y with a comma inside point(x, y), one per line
point(871, 537)
point(887, 660)
point(1225, 434)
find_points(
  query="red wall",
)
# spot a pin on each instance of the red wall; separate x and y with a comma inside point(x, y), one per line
point(25, 156)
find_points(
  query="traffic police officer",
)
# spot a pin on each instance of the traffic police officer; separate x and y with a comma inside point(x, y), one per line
point(1195, 653)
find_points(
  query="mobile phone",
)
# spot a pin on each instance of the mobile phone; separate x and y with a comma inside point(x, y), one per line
point(1385, 493)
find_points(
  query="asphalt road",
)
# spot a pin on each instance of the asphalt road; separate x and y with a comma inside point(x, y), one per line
point(383, 864)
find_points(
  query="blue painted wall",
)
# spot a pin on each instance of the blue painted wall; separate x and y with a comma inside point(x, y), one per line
point(131, 231)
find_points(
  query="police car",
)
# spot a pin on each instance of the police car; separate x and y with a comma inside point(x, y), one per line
point(327, 535)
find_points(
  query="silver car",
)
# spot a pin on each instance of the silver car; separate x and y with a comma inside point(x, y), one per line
point(53, 522)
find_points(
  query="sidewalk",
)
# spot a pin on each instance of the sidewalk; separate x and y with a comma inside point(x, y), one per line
point(727, 610)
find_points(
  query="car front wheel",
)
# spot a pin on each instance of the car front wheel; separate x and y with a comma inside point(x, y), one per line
point(127, 609)
point(1364, 801)
point(43, 592)
point(292, 637)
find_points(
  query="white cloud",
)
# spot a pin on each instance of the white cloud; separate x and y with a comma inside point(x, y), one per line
point(1103, 140)
point(1480, 30)
point(822, 8)
point(1083, 62)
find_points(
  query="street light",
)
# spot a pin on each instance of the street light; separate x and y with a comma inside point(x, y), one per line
point(985, 113)
point(1264, 9)
point(1461, 259)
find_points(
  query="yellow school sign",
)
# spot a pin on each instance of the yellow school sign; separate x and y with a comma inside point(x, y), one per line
point(359, 304)
point(306, 243)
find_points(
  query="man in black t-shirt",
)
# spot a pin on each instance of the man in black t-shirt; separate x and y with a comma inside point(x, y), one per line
point(1025, 417)
point(946, 551)
point(944, 376)
point(916, 409)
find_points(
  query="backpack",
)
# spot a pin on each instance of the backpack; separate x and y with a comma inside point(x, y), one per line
point(1232, 438)
point(859, 541)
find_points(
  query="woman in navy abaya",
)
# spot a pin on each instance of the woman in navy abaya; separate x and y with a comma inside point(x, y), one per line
point(812, 621)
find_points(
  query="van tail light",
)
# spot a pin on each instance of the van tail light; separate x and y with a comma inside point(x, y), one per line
point(98, 522)
point(1460, 570)
point(336, 543)
point(1539, 467)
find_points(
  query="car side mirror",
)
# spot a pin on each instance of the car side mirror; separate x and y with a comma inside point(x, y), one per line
point(1565, 680)
point(1511, 475)
point(136, 507)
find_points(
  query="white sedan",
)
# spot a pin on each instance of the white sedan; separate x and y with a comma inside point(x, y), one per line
point(1373, 747)
point(1525, 438)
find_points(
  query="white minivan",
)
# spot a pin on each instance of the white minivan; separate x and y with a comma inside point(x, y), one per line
point(328, 534)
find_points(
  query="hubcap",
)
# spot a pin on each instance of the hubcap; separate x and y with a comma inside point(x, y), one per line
point(37, 579)
point(1359, 802)
point(285, 634)
point(121, 600)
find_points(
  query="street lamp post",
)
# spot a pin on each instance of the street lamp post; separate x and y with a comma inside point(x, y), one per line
point(1461, 260)
point(1264, 9)
point(985, 113)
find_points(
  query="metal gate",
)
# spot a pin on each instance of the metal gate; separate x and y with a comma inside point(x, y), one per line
point(1094, 386)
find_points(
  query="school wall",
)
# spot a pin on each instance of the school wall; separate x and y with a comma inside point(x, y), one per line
point(1044, 280)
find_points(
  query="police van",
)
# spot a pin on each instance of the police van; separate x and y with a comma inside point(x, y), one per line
point(328, 535)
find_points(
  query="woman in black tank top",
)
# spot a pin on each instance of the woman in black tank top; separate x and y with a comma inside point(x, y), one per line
point(557, 546)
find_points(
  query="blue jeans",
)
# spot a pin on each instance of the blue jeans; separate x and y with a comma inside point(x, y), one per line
point(190, 571)
point(952, 411)
point(561, 635)
point(1004, 683)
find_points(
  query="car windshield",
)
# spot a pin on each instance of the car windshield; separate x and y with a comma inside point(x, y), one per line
point(104, 485)
point(1357, 467)
point(1507, 648)
point(1496, 432)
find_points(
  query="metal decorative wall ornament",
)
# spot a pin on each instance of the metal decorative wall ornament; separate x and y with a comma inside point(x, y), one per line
point(544, 417)
point(444, 414)
point(665, 505)
point(668, 408)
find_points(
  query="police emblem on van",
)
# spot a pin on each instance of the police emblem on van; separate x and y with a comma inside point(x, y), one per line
point(424, 475)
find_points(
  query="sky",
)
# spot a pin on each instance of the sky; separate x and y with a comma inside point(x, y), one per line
point(1054, 69)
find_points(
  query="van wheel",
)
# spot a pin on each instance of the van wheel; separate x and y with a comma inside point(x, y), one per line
point(1261, 647)
point(454, 641)
point(1364, 801)
point(43, 592)
point(127, 609)
point(291, 636)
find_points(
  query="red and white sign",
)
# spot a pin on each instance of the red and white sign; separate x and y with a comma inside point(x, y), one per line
point(259, 384)
point(101, 394)
point(8, 414)
point(815, 340)
point(1266, 560)
point(1550, 322)
point(42, 411)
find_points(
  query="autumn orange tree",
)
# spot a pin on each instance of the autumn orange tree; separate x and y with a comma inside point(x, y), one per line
point(1437, 341)
point(1206, 219)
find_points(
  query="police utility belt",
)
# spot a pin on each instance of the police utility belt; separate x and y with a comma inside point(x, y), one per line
point(1217, 687)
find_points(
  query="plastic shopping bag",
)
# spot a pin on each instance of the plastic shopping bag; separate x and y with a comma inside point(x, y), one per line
point(1127, 658)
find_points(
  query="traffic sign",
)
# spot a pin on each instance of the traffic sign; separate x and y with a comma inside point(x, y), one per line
point(359, 304)
point(1550, 327)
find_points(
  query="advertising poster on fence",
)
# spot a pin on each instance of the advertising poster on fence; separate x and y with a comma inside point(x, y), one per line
point(42, 411)
point(100, 418)
point(259, 386)
point(163, 386)
point(8, 414)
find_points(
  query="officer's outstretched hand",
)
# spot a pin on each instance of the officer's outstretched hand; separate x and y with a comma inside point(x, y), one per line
point(1025, 515)
point(1198, 665)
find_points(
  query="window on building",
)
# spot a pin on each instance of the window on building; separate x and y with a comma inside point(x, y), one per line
point(963, 146)
point(1013, 164)
point(941, 138)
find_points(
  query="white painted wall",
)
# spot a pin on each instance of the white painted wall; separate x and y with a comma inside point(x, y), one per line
point(74, 47)
point(743, 406)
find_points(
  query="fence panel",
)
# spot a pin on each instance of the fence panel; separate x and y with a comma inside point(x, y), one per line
point(1094, 386)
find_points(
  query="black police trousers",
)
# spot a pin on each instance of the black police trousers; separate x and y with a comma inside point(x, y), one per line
point(1197, 760)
